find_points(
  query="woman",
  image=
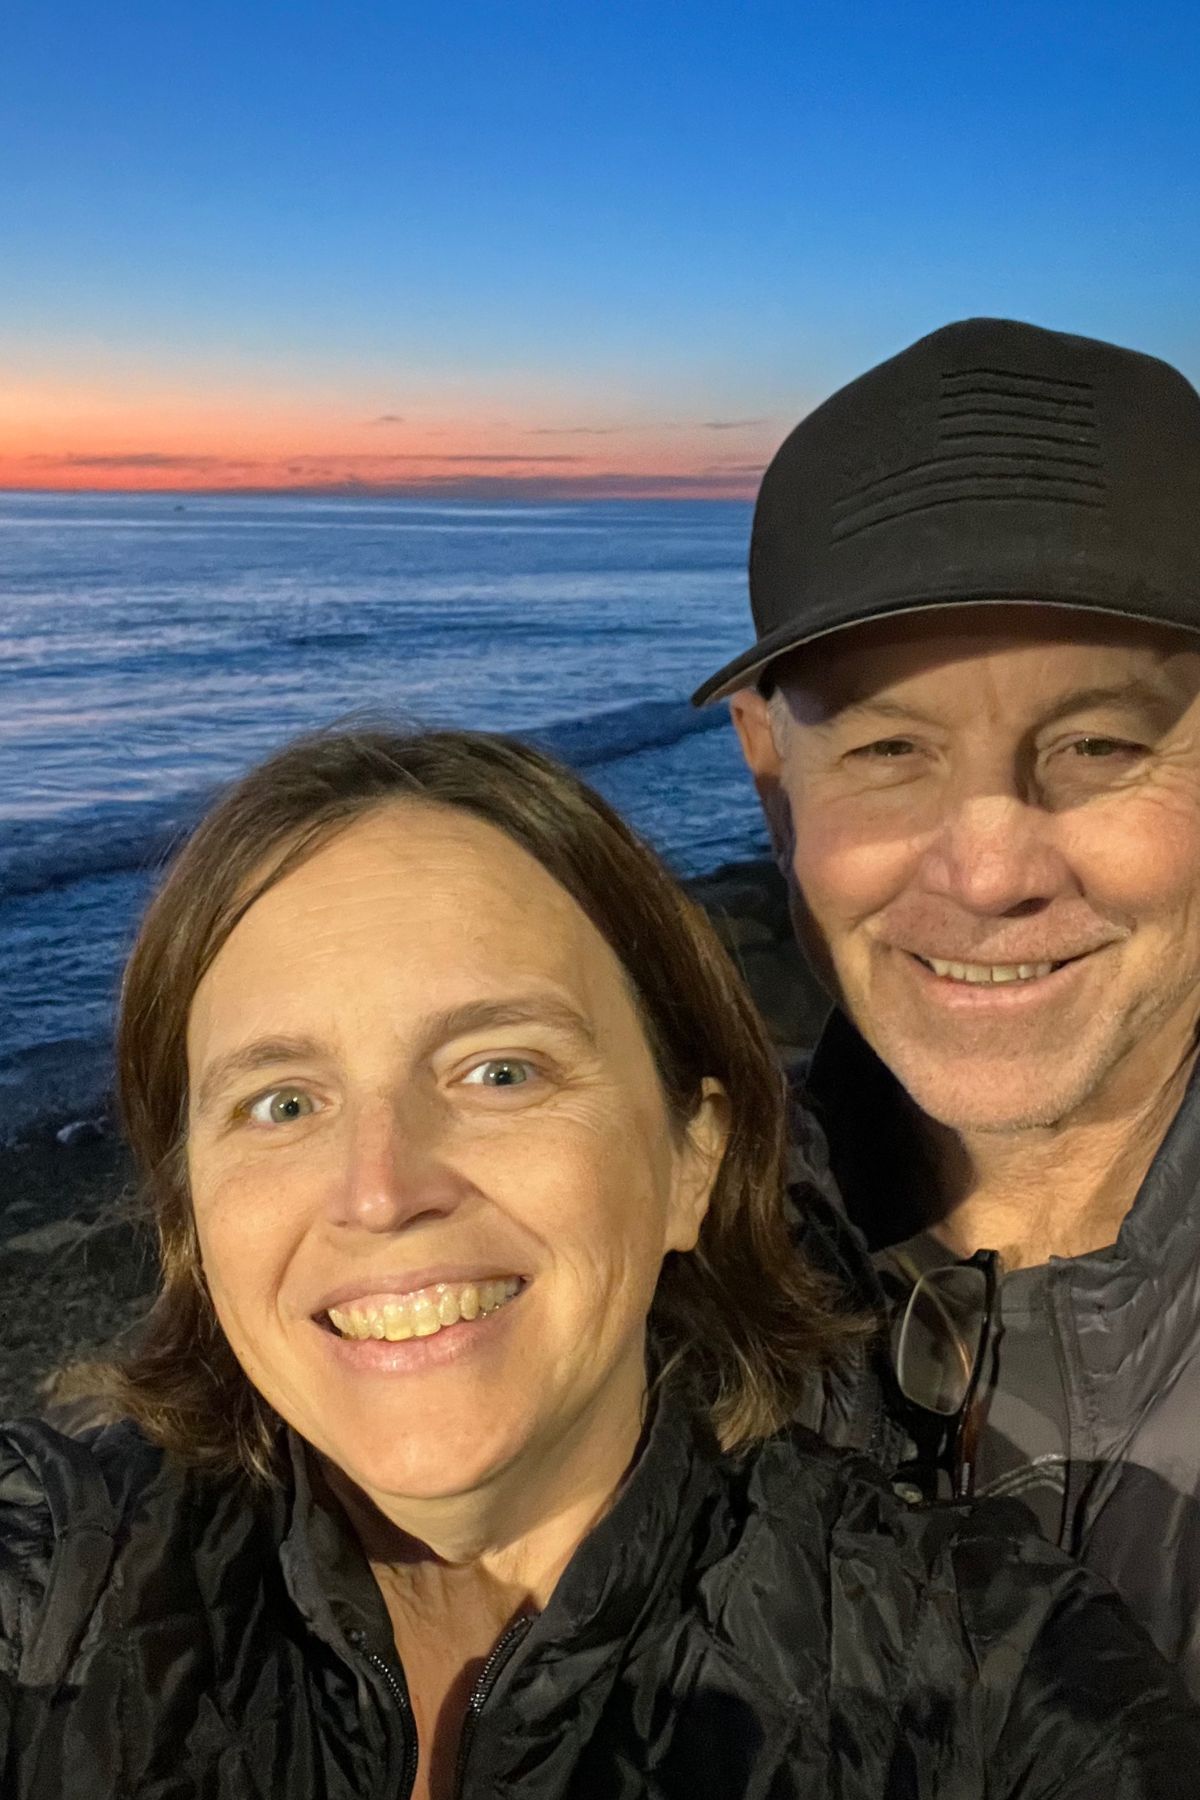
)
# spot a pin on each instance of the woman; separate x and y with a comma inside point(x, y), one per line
point(455, 1458)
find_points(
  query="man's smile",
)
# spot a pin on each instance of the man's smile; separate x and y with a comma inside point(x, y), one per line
point(983, 974)
point(948, 982)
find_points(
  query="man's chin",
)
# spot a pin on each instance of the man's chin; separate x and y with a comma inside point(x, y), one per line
point(984, 1096)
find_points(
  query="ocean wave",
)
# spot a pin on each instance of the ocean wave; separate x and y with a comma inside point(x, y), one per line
point(51, 1083)
point(118, 836)
point(608, 736)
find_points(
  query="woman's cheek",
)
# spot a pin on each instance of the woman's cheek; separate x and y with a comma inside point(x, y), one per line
point(245, 1227)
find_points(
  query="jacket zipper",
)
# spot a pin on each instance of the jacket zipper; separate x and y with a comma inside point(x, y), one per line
point(404, 1704)
point(488, 1677)
point(1060, 1321)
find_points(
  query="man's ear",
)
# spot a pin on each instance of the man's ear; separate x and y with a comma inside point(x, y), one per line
point(755, 727)
point(699, 1161)
point(752, 721)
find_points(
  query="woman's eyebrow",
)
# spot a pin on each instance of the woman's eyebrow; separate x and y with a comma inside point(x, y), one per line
point(472, 1015)
point(517, 1009)
point(259, 1053)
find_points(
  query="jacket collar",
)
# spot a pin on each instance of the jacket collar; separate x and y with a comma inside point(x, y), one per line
point(629, 1559)
point(875, 1157)
point(324, 1565)
point(867, 1135)
point(1160, 1228)
point(613, 1579)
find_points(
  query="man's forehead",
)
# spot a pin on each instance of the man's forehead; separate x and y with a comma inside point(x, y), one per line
point(887, 664)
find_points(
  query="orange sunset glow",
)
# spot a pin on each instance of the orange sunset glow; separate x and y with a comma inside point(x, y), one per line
point(64, 438)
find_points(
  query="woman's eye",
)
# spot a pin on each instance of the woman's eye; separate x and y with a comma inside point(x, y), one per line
point(500, 1072)
point(281, 1106)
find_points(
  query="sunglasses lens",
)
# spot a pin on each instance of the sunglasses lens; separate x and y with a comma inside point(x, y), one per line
point(939, 1338)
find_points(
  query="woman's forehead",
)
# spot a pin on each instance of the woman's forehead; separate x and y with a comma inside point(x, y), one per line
point(425, 902)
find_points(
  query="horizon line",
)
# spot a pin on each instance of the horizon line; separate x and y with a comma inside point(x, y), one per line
point(677, 488)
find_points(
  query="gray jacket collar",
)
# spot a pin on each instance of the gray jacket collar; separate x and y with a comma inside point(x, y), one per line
point(874, 1156)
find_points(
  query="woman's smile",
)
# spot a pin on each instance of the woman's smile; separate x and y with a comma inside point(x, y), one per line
point(416, 1334)
point(424, 1311)
point(428, 1141)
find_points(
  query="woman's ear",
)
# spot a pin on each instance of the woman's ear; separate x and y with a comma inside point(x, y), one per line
point(698, 1162)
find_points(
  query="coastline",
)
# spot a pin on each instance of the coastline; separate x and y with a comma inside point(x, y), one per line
point(75, 1269)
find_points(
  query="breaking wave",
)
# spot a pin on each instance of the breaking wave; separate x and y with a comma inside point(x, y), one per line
point(116, 836)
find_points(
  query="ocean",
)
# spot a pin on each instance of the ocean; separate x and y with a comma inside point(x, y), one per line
point(153, 646)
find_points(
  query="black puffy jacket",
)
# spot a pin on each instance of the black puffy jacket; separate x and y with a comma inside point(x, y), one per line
point(770, 1629)
point(1121, 1324)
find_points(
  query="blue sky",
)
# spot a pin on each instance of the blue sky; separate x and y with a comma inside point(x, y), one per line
point(590, 219)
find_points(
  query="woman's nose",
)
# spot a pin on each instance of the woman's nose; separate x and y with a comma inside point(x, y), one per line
point(395, 1170)
point(994, 853)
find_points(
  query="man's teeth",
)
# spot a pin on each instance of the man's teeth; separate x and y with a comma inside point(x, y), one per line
point(423, 1313)
point(982, 973)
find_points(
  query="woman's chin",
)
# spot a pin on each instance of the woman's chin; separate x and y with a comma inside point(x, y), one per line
point(436, 1438)
point(426, 1466)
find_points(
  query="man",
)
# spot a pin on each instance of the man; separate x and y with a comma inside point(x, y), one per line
point(973, 718)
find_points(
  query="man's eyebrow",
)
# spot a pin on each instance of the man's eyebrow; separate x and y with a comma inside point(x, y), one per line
point(1135, 695)
point(865, 706)
point(472, 1015)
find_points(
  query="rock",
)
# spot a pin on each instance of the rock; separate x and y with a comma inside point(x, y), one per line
point(793, 1004)
point(113, 1248)
point(748, 906)
point(739, 933)
point(61, 1081)
point(19, 1210)
point(81, 1131)
point(45, 1240)
point(754, 890)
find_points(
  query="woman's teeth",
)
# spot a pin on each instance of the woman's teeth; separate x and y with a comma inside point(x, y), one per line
point(982, 973)
point(423, 1313)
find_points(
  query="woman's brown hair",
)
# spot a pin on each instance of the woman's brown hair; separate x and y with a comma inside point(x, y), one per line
point(742, 1317)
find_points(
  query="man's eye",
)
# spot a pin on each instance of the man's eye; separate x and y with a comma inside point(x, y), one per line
point(885, 747)
point(1100, 746)
point(500, 1072)
point(281, 1106)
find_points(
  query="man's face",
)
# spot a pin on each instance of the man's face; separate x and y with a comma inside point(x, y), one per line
point(991, 817)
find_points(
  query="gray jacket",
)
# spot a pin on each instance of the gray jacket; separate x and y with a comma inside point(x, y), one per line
point(1120, 1372)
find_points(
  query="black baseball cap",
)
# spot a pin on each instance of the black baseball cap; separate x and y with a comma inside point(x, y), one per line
point(991, 461)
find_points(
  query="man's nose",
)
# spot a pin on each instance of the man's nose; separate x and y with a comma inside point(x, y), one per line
point(395, 1169)
point(993, 853)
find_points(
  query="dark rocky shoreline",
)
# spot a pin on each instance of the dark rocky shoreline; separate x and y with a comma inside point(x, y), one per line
point(75, 1270)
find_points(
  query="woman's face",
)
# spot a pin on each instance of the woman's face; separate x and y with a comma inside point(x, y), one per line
point(433, 1173)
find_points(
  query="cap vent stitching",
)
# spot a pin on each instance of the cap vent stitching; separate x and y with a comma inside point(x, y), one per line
point(973, 477)
point(1044, 425)
point(956, 461)
point(1003, 398)
point(1044, 381)
point(1048, 413)
point(994, 434)
point(850, 528)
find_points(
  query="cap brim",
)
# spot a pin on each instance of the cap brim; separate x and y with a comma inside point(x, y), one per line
point(745, 669)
